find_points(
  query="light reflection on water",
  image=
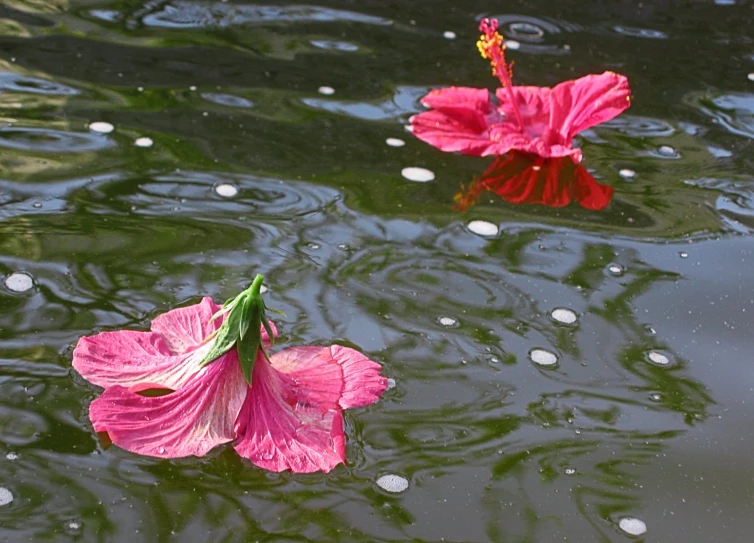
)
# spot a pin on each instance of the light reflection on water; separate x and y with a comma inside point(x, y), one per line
point(646, 305)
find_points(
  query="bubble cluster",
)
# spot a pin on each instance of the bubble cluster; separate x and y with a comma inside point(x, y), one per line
point(19, 282)
point(542, 357)
point(226, 190)
point(483, 228)
point(418, 175)
point(101, 127)
point(632, 526)
point(11, 456)
point(393, 483)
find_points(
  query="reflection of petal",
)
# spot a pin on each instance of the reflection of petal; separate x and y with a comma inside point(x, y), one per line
point(522, 178)
point(292, 416)
point(190, 421)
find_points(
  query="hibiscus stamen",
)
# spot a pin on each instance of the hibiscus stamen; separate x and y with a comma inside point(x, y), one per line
point(492, 46)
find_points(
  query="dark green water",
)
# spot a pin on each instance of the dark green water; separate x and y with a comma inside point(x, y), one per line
point(495, 448)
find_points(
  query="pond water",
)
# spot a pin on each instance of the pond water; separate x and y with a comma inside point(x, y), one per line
point(561, 374)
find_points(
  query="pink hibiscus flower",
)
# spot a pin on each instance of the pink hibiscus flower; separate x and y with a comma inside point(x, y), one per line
point(537, 120)
point(167, 395)
point(523, 178)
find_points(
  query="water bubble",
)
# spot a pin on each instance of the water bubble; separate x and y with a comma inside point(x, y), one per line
point(615, 269)
point(683, 254)
point(447, 321)
point(226, 190)
point(632, 526)
point(541, 357)
point(667, 151)
point(449, 35)
point(326, 90)
point(390, 383)
point(393, 483)
point(418, 175)
point(143, 142)
point(6, 496)
point(395, 142)
point(656, 357)
point(569, 471)
point(19, 282)
point(655, 397)
point(483, 228)
point(564, 315)
point(625, 173)
point(314, 246)
point(192, 88)
point(750, 77)
point(73, 527)
point(11, 456)
point(512, 44)
point(161, 450)
point(101, 127)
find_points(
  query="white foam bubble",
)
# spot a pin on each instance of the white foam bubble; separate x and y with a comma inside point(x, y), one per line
point(570, 471)
point(101, 127)
point(683, 254)
point(144, 142)
point(512, 44)
point(326, 90)
point(226, 190)
point(666, 150)
point(418, 175)
point(483, 228)
point(6, 496)
point(564, 315)
point(390, 383)
point(541, 357)
point(19, 282)
point(632, 526)
point(395, 142)
point(449, 35)
point(393, 483)
point(11, 456)
point(750, 77)
point(447, 321)
point(625, 173)
point(658, 358)
point(615, 269)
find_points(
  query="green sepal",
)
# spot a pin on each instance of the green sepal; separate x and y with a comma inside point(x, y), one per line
point(248, 348)
point(226, 336)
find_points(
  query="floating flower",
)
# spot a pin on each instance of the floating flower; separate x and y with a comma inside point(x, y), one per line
point(537, 120)
point(202, 377)
point(524, 178)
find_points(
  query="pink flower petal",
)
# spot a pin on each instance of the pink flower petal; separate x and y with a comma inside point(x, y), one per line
point(588, 101)
point(292, 415)
point(166, 357)
point(190, 421)
point(185, 328)
point(128, 358)
point(458, 97)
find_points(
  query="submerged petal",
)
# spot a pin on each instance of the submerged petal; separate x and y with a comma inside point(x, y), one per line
point(190, 421)
point(292, 416)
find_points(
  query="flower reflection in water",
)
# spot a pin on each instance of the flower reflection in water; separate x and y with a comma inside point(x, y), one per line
point(525, 178)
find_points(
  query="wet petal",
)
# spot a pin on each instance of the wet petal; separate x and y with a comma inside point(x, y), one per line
point(189, 421)
point(458, 97)
point(588, 101)
point(278, 430)
point(186, 327)
point(128, 358)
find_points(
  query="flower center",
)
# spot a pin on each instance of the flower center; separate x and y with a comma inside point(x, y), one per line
point(492, 46)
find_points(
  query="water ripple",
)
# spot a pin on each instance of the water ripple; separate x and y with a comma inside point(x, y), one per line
point(47, 140)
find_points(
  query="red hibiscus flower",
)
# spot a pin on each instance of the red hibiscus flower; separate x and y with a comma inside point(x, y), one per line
point(537, 120)
point(281, 412)
point(524, 178)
